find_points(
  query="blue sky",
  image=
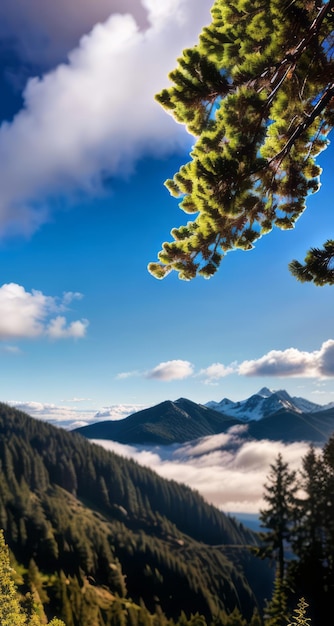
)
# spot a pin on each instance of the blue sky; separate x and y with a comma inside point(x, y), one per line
point(86, 332)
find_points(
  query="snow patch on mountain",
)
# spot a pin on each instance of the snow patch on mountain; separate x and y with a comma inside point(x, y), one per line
point(264, 403)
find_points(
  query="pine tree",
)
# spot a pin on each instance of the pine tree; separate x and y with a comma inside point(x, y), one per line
point(256, 619)
point(300, 618)
point(276, 610)
point(318, 266)
point(235, 618)
point(311, 570)
point(11, 612)
point(10, 608)
point(257, 92)
point(278, 518)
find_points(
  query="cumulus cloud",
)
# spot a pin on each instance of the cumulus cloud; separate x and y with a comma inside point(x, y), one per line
point(117, 411)
point(276, 363)
point(293, 363)
point(55, 414)
point(28, 315)
point(70, 417)
point(43, 32)
point(227, 471)
point(216, 371)
point(171, 370)
point(95, 115)
point(59, 329)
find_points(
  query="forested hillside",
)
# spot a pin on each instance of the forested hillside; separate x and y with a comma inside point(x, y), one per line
point(90, 531)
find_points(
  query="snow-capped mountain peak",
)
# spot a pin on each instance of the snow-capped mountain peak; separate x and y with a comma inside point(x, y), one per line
point(264, 403)
point(265, 392)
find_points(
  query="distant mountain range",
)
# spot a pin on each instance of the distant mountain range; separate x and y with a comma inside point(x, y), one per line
point(165, 423)
point(268, 414)
point(265, 403)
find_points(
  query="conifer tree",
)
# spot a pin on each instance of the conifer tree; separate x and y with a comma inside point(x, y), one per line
point(318, 266)
point(276, 610)
point(300, 618)
point(11, 612)
point(256, 619)
point(10, 608)
point(257, 93)
point(235, 618)
point(278, 517)
point(312, 571)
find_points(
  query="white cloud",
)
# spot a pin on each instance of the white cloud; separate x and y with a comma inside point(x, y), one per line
point(171, 370)
point(276, 363)
point(117, 411)
point(78, 400)
point(77, 424)
point(325, 359)
point(57, 328)
point(226, 471)
point(97, 114)
point(216, 371)
point(69, 417)
point(293, 363)
point(69, 296)
point(125, 375)
point(27, 315)
point(43, 32)
point(53, 413)
point(212, 443)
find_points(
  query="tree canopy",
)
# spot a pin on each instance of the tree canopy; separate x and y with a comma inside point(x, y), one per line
point(11, 611)
point(257, 93)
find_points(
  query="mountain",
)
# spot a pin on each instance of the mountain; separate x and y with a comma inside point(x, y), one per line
point(99, 540)
point(265, 415)
point(289, 426)
point(262, 404)
point(163, 424)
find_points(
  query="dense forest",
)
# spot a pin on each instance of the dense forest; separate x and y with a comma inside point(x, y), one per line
point(97, 540)
point(91, 532)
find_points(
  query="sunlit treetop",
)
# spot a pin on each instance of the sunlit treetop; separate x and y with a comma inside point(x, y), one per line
point(257, 93)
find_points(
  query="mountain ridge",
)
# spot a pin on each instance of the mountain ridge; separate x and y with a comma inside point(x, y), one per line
point(183, 420)
point(167, 422)
point(265, 402)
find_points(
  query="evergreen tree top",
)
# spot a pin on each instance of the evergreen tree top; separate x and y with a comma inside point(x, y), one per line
point(257, 92)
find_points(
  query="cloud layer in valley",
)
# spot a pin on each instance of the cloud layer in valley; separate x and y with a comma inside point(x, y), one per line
point(95, 115)
point(226, 471)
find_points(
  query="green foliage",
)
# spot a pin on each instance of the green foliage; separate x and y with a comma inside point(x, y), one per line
point(10, 608)
point(257, 93)
point(302, 516)
point(11, 611)
point(91, 529)
point(318, 266)
point(300, 618)
point(276, 611)
point(278, 517)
